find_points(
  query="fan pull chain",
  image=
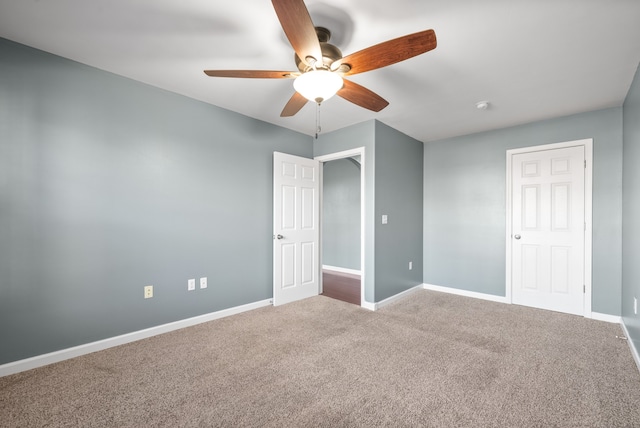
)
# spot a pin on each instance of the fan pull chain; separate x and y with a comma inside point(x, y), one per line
point(318, 128)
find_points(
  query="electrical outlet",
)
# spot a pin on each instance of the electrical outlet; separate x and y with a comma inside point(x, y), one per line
point(410, 265)
point(191, 284)
point(203, 282)
point(385, 219)
point(635, 306)
point(148, 291)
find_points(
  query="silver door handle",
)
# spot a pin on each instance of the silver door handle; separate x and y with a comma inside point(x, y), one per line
point(279, 236)
point(516, 236)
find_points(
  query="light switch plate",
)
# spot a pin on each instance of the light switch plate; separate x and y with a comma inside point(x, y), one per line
point(385, 219)
point(203, 282)
point(191, 284)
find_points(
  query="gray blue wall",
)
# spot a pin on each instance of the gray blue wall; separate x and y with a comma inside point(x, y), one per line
point(108, 185)
point(464, 204)
point(398, 195)
point(341, 214)
point(393, 186)
point(631, 211)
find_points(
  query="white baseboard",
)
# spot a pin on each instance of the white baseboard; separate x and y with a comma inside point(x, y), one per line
point(76, 351)
point(341, 270)
point(634, 350)
point(465, 293)
point(606, 317)
point(594, 315)
point(388, 300)
point(368, 305)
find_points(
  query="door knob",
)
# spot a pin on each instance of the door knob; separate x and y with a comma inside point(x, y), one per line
point(516, 236)
point(279, 236)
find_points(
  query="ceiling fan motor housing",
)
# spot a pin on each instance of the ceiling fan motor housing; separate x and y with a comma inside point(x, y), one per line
point(330, 53)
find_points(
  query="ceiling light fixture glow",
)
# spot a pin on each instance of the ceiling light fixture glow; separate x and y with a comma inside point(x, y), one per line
point(318, 85)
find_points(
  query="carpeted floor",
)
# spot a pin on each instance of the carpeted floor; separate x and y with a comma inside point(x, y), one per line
point(431, 360)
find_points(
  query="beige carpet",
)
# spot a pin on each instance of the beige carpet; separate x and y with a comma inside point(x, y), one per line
point(432, 360)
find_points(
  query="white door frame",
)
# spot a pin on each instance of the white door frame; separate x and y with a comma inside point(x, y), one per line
point(343, 155)
point(588, 193)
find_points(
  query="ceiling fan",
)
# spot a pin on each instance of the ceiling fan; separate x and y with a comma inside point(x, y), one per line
point(322, 67)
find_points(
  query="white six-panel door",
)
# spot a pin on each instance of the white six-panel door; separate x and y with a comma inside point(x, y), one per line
point(548, 229)
point(296, 232)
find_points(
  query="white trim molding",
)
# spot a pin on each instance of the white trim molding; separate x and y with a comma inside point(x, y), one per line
point(466, 293)
point(389, 300)
point(76, 351)
point(341, 270)
point(593, 315)
point(368, 305)
point(588, 214)
point(634, 350)
point(615, 319)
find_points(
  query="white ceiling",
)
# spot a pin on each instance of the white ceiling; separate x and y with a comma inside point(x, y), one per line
point(531, 59)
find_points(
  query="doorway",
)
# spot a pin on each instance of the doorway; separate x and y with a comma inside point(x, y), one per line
point(342, 225)
point(549, 227)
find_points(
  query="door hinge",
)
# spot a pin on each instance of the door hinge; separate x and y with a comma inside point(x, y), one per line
point(585, 163)
point(584, 288)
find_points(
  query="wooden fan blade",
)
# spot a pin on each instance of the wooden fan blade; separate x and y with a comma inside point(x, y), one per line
point(389, 52)
point(296, 102)
point(362, 96)
point(256, 74)
point(297, 25)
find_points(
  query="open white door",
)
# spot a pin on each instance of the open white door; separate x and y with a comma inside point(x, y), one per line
point(296, 234)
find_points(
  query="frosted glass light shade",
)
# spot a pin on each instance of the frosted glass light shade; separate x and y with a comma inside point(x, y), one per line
point(318, 85)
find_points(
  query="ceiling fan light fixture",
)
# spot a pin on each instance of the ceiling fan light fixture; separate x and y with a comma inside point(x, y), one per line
point(318, 85)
